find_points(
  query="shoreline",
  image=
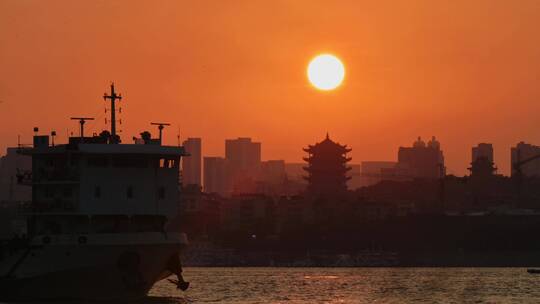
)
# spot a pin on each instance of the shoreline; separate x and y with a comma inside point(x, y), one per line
point(521, 259)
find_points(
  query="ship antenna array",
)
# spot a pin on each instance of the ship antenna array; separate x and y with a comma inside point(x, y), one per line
point(113, 97)
point(161, 126)
point(82, 121)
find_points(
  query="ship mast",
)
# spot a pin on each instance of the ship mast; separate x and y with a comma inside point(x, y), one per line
point(113, 97)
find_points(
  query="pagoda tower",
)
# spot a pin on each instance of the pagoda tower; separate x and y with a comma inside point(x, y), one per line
point(327, 167)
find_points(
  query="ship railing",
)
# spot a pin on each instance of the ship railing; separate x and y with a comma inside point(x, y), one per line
point(24, 147)
point(27, 177)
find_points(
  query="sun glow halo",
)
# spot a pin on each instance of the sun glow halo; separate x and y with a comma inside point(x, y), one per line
point(325, 72)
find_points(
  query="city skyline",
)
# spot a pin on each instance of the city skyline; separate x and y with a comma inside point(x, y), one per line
point(494, 156)
point(460, 74)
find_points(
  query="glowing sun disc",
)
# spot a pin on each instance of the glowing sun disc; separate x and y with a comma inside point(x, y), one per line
point(325, 72)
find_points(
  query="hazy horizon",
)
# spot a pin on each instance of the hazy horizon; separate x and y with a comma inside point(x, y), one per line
point(466, 72)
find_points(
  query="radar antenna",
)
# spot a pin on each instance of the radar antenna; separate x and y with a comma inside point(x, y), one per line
point(161, 126)
point(82, 121)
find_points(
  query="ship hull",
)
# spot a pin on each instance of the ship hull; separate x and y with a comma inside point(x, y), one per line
point(87, 271)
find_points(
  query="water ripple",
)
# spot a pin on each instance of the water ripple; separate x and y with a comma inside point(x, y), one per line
point(353, 285)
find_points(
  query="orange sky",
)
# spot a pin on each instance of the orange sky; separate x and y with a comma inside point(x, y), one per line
point(465, 71)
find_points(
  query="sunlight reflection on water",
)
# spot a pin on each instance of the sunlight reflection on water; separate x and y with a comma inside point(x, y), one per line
point(321, 277)
point(352, 285)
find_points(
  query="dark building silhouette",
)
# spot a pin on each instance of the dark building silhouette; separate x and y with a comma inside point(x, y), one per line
point(526, 154)
point(482, 150)
point(273, 171)
point(191, 165)
point(422, 160)
point(482, 164)
point(482, 167)
point(243, 154)
point(199, 212)
point(327, 167)
point(355, 175)
point(215, 175)
point(243, 158)
point(272, 179)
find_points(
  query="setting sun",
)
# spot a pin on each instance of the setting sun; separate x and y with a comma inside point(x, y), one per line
point(325, 72)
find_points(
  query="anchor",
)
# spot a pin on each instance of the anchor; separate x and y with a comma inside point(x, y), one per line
point(175, 266)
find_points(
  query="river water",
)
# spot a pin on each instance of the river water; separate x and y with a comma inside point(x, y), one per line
point(352, 285)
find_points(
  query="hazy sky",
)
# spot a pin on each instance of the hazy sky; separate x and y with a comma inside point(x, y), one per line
point(465, 71)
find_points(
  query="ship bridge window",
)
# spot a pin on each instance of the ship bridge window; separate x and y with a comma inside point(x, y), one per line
point(168, 163)
point(129, 162)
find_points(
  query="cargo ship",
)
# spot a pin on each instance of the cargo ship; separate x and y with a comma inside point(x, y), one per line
point(98, 224)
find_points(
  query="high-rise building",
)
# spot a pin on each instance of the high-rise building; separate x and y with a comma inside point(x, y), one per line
point(243, 160)
point(215, 175)
point(482, 150)
point(422, 160)
point(523, 151)
point(242, 153)
point(482, 161)
point(327, 167)
point(191, 165)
